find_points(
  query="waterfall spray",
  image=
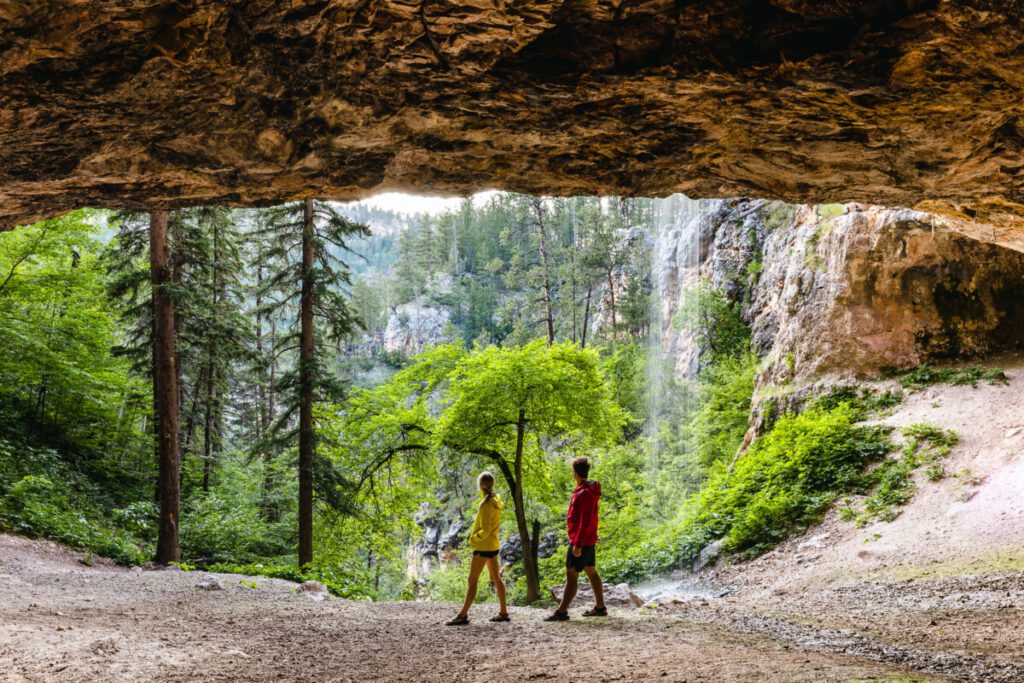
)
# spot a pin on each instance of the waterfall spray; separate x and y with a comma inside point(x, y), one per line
point(675, 236)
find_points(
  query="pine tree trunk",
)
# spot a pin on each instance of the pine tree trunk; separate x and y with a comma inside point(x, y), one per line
point(306, 435)
point(539, 210)
point(271, 391)
point(211, 368)
point(165, 391)
point(208, 428)
point(586, 318)
point(529, 559)
point(177, 261)
point(263, 423)
point(189, 431)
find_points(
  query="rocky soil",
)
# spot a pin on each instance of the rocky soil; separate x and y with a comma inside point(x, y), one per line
point(61, 621)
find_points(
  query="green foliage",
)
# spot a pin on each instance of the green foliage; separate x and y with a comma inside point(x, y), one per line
point(223, 525)
point(340, 583)
point(720, 421)
point(625, 367)
point(714, 321)
point(787, 479)
point(867, 400)
point(925, 375)
point(448, 582)
point(38, 507)
point(893, 482)
point(783, 483)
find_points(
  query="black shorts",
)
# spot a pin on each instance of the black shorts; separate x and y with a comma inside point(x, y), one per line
point(485, 553)
point(587, 558)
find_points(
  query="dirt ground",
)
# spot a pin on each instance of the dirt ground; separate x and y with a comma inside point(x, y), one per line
point(936, 595)
point(62, 621)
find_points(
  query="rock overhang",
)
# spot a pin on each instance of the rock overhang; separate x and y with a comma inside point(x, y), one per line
point(158, 104)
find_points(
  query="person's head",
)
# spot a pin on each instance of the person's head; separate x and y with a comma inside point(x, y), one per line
point(580, 468)
point(486, 483)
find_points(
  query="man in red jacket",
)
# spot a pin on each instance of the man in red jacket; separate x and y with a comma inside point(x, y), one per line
point(581, 556)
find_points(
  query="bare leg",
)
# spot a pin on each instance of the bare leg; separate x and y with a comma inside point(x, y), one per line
point(499, 584)
point(475, 567)
point(572, 582)
point(597, 585)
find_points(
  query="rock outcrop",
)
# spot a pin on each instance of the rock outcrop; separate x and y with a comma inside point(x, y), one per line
point(162, 103)
point(414, 326)
point(841, 289)
point(443, 531)
point(872, 288)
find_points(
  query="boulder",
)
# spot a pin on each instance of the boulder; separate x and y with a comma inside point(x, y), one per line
point(314, 590)
point(511, 549)
point(615, 595)
point(209, 582)
point(675, 603)
point(708, 555)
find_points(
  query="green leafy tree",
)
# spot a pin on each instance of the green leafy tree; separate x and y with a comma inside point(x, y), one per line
point(511, 408)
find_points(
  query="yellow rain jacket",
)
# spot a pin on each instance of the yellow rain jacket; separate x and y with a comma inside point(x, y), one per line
point(484, 535)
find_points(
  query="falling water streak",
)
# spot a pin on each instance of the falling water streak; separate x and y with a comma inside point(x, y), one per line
point(675, 237)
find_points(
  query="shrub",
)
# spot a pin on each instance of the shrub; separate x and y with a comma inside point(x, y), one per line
point(447, 583)
point(222, 526)
point(925, 376)
point(893, 480)
point(786, 480)
point(36, 506)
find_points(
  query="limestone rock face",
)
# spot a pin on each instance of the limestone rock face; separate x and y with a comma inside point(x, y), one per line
point(414, 326)
point(872, 288)
point(162, 103)
point(841, 289)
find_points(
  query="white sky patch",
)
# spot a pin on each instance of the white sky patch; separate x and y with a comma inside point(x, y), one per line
point(401, 202)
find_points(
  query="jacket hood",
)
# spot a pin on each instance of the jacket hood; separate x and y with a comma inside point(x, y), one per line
point(591, 486)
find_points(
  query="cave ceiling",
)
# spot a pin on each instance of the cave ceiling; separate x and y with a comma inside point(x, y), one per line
point(153, 104)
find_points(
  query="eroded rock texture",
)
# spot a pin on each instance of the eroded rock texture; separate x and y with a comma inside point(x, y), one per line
point(841, 290)
point(147, 103)
point(871, 288)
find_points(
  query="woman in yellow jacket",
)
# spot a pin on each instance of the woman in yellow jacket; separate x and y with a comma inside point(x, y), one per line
point(483, 539)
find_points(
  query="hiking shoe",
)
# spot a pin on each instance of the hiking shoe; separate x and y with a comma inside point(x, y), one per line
point(596, 612)
point(557, 616)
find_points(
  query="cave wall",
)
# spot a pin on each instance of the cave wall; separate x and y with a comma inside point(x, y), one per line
point(160, 103)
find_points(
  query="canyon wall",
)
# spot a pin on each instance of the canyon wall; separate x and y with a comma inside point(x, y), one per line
point(847, 290)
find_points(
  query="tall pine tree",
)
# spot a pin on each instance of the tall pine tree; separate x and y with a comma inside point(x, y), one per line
point(308, 240)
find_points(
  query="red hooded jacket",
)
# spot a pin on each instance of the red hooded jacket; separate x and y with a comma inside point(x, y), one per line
point(582, 517)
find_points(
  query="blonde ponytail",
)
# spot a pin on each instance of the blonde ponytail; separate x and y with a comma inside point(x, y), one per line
point(486, 484)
